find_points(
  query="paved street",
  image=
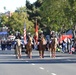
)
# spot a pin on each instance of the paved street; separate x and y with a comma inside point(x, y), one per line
point(63, 64)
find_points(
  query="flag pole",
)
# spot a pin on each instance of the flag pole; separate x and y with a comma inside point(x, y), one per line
point(36, 32)
point(25, 33)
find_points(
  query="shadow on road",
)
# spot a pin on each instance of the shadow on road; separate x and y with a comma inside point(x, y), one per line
point(8, 57)
point(37, 60)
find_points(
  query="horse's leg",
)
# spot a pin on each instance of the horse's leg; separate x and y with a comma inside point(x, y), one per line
point(20, 52)
point(43, 49)
point(52, 52)
point(42, 53)
point(39, 50)
point(16, 51)
point(30, 53)
point(49, 51)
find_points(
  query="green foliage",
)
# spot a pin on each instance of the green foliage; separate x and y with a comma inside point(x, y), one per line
point(33, 11)
point(4, 20)
point(17, 20)
point(56, 13)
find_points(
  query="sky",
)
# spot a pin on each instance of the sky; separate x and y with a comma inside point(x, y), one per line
point(12, 5)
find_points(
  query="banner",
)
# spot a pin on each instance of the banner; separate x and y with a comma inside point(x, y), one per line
point(64, 37)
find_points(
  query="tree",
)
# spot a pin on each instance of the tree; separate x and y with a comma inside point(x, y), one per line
point(4, 20)
point(33, 11)
point(16, 21)
point(58, 13)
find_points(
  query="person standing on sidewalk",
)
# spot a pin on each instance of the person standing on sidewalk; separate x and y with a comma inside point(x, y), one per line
point(69, 45)
point(64, 46)
point(9, 44)
point(3, 44)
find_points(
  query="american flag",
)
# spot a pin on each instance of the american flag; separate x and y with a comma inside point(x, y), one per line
point(25, 33)
point(36, 33)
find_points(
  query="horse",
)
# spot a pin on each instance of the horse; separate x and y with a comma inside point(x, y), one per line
point(42, 46)
point(18, 48)
point(29, 47)
point(52, 47)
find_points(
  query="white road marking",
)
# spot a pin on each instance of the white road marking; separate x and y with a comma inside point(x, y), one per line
point(41, 68)
point(26, 61)
point(68, 59)
point(33, 64)
point(47, 71)
point(53, 73)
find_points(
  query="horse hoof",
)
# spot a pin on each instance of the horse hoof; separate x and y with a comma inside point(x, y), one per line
point(42, 56)
point(18, 58)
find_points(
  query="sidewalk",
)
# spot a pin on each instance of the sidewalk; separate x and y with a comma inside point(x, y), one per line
point(7, 52)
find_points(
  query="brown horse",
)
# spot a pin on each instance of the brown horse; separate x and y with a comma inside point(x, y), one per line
point(29, 47)
point(52, 47)
point(42, 47)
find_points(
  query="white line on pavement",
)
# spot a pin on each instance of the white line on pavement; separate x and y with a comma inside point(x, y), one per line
point(41, 68)
point(47, 70)
point(33, 64)
point(26, 61)
point(53, 73)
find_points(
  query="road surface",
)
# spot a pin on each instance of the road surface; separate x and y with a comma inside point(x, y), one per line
point(63, 64)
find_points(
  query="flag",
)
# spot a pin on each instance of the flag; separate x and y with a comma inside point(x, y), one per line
point(25, 33)
point(36, 33)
